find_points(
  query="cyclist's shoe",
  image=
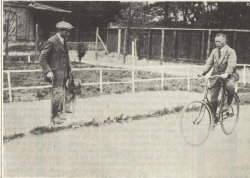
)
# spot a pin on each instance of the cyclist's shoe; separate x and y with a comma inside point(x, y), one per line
point(225, 108)
point(216, 120)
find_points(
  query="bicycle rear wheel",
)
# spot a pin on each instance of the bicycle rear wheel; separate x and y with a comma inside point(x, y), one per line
point(230, 119)
point(196, 123)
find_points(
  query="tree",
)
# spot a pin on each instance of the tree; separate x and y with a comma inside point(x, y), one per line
point(205, 14)
point(89, 13)
point(10, 18)
point(233, 15)
point(137, 15)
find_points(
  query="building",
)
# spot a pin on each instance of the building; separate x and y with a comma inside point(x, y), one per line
point(28, 21)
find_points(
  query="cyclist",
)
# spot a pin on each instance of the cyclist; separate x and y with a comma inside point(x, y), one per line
point(223, 59)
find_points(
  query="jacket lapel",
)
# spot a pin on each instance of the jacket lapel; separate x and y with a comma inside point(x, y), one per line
point(217, 56)
point(223, 54)
point(59, 43)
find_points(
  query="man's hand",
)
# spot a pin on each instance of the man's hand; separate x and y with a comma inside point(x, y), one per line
point(50, 75)
point(224, 76)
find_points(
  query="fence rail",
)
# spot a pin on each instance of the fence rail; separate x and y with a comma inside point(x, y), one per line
point(132, 82)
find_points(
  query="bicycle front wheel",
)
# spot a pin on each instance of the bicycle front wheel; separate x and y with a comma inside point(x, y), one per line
point(196, 123)
point(231, 117)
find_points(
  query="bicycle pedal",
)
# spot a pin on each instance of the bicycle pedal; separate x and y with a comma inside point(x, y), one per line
point(213, 127)
point(195, 122)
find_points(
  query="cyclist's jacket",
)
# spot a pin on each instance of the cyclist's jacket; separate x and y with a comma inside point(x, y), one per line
point(226, 63)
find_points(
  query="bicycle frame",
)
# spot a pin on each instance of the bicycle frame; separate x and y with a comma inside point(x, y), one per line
point(222, 97)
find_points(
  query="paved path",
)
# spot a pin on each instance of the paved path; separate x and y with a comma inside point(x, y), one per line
point(147, 148)
point(21, 117)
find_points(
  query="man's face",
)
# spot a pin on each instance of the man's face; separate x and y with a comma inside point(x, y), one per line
point(220, 41)
point(65, 34)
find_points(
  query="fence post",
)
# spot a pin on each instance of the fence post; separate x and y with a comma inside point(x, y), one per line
point(9, 86)
point(37, 42)
point(133, 67)
point(162, 45)
point(135, 49)
point(101, 89)
point(162, 76)
point(174, 45)
point(148, 45)
point(188, 79)
point(208, 43)
point(125, 45)
point(234, 39)
point(96, 42)
point(244, 75)
point(119, 42)
point(28, 58)
point(202, 45)
point(106, 49)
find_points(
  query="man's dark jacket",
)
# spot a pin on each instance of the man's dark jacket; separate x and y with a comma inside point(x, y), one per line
point(54, 57)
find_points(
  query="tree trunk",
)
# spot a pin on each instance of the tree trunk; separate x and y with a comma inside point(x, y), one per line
point(125, 43)
point(7, 41)
point(7, 49)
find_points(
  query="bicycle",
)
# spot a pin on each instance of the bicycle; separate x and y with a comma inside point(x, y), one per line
point(197, 121)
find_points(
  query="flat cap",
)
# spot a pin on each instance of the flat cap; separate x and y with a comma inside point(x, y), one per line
point(64, 25)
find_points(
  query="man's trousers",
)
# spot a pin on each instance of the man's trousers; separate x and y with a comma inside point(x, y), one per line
point(60, 100)
point(214, 92)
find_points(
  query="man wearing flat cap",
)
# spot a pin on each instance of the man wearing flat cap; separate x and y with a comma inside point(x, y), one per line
point(54, 60)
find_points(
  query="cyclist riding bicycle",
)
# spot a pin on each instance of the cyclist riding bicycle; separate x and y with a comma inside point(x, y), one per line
point(223, 59)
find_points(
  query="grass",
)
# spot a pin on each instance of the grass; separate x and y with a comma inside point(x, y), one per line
point(116, 119)
point(244, 98)
point(12, 137)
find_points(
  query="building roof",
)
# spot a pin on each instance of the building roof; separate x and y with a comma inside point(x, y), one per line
point(44, 7)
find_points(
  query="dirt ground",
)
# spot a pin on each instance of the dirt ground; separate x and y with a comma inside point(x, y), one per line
point(146, 148)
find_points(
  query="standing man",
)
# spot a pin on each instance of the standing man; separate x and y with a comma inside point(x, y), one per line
point(54, 60)
point(223, 59)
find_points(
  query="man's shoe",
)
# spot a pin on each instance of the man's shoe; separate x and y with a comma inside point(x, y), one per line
point(57, 120)
point(225, 108)
point(63, 118)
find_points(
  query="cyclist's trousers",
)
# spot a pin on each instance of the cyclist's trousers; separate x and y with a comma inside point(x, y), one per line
point(214, 92)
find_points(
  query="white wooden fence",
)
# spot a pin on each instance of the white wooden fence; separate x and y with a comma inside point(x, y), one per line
point(162, 69)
